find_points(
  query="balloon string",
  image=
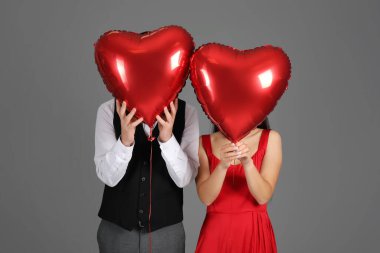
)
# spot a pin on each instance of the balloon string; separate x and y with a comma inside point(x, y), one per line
point(151, 139)
point(233, 174)
point(233, 171)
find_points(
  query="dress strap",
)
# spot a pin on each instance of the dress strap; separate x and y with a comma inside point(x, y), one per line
point(206, 142)
point(264, 139)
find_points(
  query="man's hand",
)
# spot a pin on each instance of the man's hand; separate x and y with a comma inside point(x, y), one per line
point(128, 125)
point(165, 125)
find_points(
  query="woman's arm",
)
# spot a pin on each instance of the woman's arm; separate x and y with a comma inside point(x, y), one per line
point(262, 184)
point(209, 185)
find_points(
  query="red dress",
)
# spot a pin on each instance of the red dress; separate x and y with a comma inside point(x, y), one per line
point(235, 222)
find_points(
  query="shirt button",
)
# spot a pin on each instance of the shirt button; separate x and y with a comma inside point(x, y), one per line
point(141, 211)
point(145, 162)
point(143, 179)
point(140, 224)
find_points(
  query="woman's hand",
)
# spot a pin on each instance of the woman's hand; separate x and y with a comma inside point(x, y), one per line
point(128, 125)
point(165, 125)
point(228, 153)
point(244, 157)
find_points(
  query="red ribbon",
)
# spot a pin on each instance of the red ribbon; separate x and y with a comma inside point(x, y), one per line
point(151, 138)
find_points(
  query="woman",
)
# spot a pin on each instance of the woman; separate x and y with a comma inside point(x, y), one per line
point(236, 182)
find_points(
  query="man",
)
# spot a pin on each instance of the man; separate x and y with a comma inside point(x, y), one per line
point(122, 159)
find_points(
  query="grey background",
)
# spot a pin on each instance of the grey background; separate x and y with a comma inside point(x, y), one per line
point(326, 199)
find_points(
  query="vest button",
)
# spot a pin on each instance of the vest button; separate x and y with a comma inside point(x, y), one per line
point(143, 179)
point(145, 163)
point(142, 194)
point(141, 211)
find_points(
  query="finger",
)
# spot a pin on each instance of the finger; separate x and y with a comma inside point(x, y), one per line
point(118, 106)
point(136, 122)
point(130, 115)
point(162, 115)
point(246, 150)
point(167, 114)
point(173, 110)
point(228, 155)
point(230, 159)
point(235, 156)
point(228, 149)
point(176, 103)
point(160, 120)
point(233, 160)
point(123, 108)
point(241, 147)
point(229, 144)
point(245, 154)
point(231, 153)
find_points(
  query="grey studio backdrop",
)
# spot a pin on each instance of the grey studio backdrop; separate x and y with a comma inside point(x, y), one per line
point(326, 199)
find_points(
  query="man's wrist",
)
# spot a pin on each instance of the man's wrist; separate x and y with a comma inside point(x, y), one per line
point(127, 143)
point(121, 149)
point(165, 138)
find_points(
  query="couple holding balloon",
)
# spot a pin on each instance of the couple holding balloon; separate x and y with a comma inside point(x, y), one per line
point(147, 144)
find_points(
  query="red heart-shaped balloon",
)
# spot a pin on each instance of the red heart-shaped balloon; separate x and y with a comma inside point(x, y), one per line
point(238, 89)
point(146, 70)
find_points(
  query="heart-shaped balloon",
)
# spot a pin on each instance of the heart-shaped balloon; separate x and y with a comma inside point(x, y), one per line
point(146, 70)
point(238, 89)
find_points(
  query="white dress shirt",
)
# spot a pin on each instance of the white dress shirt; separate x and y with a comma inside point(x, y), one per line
point(112, 156)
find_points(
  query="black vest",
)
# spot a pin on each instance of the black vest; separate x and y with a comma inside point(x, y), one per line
point(127, 203)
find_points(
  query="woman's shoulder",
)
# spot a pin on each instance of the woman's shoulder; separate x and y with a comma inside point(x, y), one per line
point(211, 136)
point(205, 140)
point(273, 133)
point(274, 137)
point(203, 136)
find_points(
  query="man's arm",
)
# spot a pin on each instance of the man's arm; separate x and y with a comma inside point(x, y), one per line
point(182, 160)
point(111, 155)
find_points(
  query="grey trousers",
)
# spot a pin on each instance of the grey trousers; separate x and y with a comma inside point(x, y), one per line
point(115, 239)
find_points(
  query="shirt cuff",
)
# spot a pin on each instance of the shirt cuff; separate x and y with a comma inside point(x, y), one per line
point(169, 144)
point(171, 149)
point(121, 150)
